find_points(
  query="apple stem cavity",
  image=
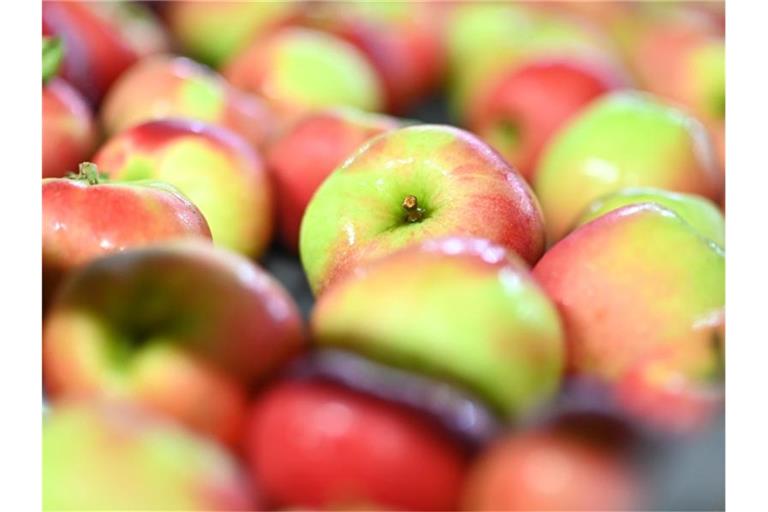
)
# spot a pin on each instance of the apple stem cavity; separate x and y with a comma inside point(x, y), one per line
point(413, 213)
point(87, 172)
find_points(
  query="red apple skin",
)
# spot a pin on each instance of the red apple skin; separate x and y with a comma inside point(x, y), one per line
point(319, 445)
point(548, 471)
point(155, 85)
point(310, 150)
point(537, 98)
point(82, 222)
point(208, 324)
point(96, 45)
point(69, 132)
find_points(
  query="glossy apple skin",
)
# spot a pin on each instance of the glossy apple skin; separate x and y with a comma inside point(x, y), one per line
point(110, 456)
point(531, 101)
point(167, 86)
point(317, 444)
point(634, 284)
point(700, 213)
point(215, 168)
point(144, 324)
point(506, 347)
point(298, 69)
point(402, 40)
point(549, 471)
point(624, 139)
point(464, 187)
point(213, 32)
point(101, 40)
point(69, 133)
point(308, 152)
point(82, 222)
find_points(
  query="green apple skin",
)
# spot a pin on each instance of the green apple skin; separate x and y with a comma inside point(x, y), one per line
point(637, 283)
point(702, 214)
point(298, 69)
point(114, 457)
point(213, 32)
point(463, 187)
point(624, 139)
point(215, 168)
point(145, 324)
point(166, 86)
point(505, 346)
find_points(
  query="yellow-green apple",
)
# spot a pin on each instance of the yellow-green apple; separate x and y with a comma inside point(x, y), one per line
point(181, 328)
point(301, 157)
point(214, 167)
point(213, 32)
point(84, 219)
point(529, 101)
point(69, 133)
point(637, 284)
point(413, 183)
point(506, 346)
point(164, 86)
point(624, 139)
point(101, 40)
point(115, 457)
point(298, 69)
point(548, 470)
point(348, 450)
point(701, 213)
point(402, 40)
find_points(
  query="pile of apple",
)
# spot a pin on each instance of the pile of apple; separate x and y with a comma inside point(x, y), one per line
point(506, 311)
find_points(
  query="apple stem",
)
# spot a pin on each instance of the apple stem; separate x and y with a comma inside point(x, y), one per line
point(412, 211)
point(87, 171)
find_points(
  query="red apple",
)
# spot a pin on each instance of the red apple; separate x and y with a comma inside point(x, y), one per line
point(215, 168)
point(531, 101)
point(84, 219)
point(101, 40)
point(320, 445)
point(308, 151)
point(69, 134)
point(549, 471)
point(181, 328)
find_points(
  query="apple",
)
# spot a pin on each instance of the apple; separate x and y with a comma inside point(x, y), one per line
point(547, 470)
point(110, 457)
point(165, 86)
point(402, 40)
point(530, 101)
point(301, 157)
point(214, 167)
point(181, 328)
point(298, 69)
point(69, 134)
point(213, 32)
point(624, 139)
point(84, 219)
point(505, 346)
point(634, 284)
point(700, 213)
point(406, 185)
point(101, 40)
point(319, 445)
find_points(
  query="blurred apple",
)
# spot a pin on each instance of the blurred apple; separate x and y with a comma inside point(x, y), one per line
point(181, 328)
point(167, 86)
point(69, 134)
point(411, 184)
point(214, 167)
point(308, 151)
point(114, 457)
